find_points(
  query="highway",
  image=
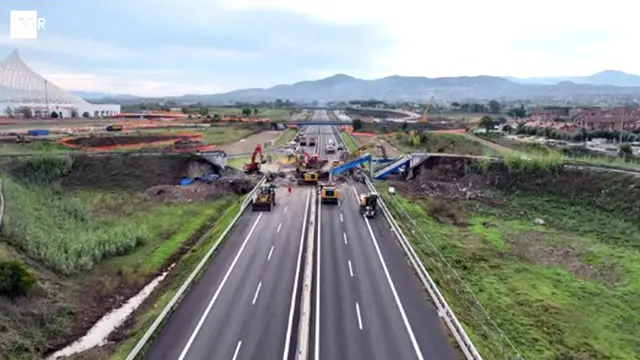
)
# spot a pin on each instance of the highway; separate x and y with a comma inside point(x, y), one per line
point(245, 304)
point(367, 304)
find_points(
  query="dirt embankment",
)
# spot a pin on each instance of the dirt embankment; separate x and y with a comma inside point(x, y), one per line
point(459, 178)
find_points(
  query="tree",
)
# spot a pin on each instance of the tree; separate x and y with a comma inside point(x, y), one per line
point(85, 114)
point(26, 112)
point(74, 113)
point(216, 117)
point(455, 104)
point(54, 115)
point(246, 112)
point(357, 124)
point(625, 151)
point(404, 126)
point(486, 122)
point(15, 279)
point(494, 107)
point(255, 111)
point(508, 128)
point(203, 111)
point(9, 111)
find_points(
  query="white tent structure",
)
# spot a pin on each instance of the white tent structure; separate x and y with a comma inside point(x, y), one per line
point(22, 88)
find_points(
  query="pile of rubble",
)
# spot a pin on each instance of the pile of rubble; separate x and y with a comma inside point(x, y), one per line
point(446, 180)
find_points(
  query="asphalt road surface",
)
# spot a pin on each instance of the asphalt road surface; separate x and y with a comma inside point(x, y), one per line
point(245, 304)
point(368, 304)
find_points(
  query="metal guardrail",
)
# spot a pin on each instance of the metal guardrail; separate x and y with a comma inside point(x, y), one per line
point(444, 311)
point(1, 202)
point(185, 286)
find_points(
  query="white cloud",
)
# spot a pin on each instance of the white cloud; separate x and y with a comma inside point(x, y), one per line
point(147, 82)
point(467, 37)
point(96, 50)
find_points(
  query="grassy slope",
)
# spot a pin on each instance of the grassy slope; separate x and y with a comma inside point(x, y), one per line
point(273, 114)
point(348, 140)
point(144, 318)
point(441, 143)
point(74, 232)
point(286, 137)
point(564, 290)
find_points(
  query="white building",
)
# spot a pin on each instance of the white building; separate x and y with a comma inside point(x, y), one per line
point(21, 88)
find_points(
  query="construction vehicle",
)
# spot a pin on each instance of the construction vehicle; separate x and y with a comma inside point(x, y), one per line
point(307, 177)
point(368, 204)
point(329, 194)
point(362, 149)
point(114, 128)
point(307, 161)
point(254, 166)
point(21, 139)
point(425, 115)
point(265, 198)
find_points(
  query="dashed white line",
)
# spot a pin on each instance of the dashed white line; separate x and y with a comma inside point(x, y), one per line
point(359, 318)
point(270, 253)
point(255, 296)
point(350, 268)
point(185, 350)
point(235, 353)
point(344, 236)
point(279, 227)
point(285, 209)
point(341, 218)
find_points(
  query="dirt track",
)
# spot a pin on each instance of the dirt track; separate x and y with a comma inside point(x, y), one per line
point(247, 144)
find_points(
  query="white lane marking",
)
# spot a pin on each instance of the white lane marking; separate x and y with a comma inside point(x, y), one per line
point(341, 218)
point(270, 253)
point(316, 347)
point(255, 296)
point(355, 192)
point(359, 318)
point(405, 320)
point(235, 353)
point(279, 227)
point(344, 236)
point(287, 343)
point(285, 209)
point(350, 268)
point(183, 354)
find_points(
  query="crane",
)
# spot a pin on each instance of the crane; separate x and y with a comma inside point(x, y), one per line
point(425, 114)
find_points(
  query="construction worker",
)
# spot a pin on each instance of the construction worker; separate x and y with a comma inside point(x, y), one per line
point(289, 188)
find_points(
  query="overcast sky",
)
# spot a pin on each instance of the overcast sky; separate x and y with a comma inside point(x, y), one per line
point(172, 47)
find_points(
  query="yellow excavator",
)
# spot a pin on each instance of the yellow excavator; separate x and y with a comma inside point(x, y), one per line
point(362, 149)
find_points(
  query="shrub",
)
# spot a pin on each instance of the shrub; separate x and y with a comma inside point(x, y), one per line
point(15, 279)
point(41, 170)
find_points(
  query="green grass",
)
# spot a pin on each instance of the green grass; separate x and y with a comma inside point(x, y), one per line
point(238, 162)
point(439, 143)
point(348, 140)
point(145, 318)
point(216, 135)
point(36, 147)
point(273, 114)
point(72, 231)
point(286, 137)
point(567, 289)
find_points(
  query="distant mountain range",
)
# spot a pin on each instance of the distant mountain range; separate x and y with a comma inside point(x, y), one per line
point(88, 95)
point(607, 77)
point(342, 87)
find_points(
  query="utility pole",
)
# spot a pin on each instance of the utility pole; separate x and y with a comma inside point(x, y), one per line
point(46, 98)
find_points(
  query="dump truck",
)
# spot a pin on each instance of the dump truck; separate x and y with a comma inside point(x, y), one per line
point(265, 198)
point(368, 204)
point(329, 194)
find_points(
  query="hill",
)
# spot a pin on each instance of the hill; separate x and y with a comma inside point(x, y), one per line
point(414, 88)
point(607, 77)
